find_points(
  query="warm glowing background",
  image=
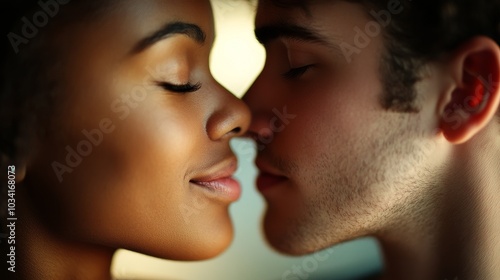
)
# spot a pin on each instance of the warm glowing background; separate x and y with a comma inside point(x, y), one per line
point(236, 60)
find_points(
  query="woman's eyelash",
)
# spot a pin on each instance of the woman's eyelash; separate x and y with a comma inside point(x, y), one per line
point(184, 88)
point(296, 72)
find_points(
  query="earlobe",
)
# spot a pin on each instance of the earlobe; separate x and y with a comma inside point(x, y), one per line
point(20, 173)
point(17, 171)
point(475, 96)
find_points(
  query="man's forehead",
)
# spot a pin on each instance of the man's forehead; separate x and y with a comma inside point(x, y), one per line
point(327, 23)
point(269, 11)
point(298, 11)
point(278, 23)
point(303, 4)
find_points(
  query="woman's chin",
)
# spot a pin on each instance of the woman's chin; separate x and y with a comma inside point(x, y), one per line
point(209, 245)
point(200, 244)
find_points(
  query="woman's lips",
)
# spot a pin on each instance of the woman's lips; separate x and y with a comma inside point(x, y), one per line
point(266, 181)
point(220, 182)
point(227, 187)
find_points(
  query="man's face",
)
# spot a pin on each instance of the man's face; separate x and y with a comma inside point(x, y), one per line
point(334, 165)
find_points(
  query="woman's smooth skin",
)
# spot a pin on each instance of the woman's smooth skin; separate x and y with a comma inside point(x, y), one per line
point(156, 181)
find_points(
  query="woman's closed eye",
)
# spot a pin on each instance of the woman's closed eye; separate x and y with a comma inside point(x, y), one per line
point(183, 88)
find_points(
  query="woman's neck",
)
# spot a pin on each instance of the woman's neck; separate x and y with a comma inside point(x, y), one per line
point(43, 255)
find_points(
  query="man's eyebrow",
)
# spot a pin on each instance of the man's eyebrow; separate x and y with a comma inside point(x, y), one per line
point(268, 33)
point(193, 31)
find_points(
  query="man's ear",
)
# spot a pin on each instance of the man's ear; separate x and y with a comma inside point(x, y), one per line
point(475, 96)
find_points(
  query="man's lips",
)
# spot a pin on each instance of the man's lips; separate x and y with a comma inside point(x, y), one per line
point(220, 181)
point(266, 181)
point(268, 176)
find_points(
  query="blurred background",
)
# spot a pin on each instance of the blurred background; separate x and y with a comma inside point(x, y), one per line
point(236, 60)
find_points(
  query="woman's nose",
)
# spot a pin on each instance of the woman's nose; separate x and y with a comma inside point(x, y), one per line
point(231, 119)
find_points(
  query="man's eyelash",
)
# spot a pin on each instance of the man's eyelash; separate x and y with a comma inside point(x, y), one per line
point(296, 72)
point(184, 88)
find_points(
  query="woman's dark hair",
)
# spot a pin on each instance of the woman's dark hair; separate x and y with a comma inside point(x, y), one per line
point(15, 75)
point(29, 74)
point(29, 67)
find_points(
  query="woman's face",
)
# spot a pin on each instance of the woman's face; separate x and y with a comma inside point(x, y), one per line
point(139, 156)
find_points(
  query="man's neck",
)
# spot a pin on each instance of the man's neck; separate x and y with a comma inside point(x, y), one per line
point(457, 238)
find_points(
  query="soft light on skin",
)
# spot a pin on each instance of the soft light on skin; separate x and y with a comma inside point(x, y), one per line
point(135, 189)
point(235, 61)
point(346, 167)
point(339, 151)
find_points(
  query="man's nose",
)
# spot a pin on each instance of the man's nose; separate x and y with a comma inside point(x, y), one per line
point(269, 116)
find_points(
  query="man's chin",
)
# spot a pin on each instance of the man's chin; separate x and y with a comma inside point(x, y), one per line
point(286, 238)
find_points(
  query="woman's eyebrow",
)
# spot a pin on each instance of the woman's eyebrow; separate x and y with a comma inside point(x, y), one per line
point(193, 31)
